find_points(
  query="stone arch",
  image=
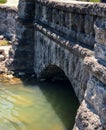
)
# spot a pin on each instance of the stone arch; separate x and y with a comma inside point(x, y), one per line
point(53, 73)
point(48, 52)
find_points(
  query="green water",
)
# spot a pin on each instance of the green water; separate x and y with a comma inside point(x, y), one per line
point(42, 106)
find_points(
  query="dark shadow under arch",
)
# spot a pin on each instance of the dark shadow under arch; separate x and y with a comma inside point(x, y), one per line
point(62, 97)
point(53, 73)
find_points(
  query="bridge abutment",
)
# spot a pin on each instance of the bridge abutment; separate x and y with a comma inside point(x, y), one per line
point(23, 58)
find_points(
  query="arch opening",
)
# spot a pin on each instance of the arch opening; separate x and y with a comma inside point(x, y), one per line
point(60, 95)
point(53, 73)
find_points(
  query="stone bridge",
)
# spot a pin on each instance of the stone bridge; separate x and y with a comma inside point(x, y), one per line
point(56, 37)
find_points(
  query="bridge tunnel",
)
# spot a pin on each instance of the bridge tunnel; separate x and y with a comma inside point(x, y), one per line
point(53, 73)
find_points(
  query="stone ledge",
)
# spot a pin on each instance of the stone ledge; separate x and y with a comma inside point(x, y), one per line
point(73, 47)
point(98, 70)
point(79, 7)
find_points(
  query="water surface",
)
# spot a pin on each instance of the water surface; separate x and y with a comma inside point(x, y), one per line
point(42, 106)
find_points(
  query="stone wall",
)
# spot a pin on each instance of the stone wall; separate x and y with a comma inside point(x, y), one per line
point(22, 53)
point(8, 21)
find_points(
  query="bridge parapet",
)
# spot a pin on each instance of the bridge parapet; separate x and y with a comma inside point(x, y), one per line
point(73, 21)
point(76, 26)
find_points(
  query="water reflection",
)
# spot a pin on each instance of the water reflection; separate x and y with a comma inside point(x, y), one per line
point(41, 106)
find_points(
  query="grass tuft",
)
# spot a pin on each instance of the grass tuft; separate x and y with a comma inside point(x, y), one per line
point(4, 42)
point(94, 1)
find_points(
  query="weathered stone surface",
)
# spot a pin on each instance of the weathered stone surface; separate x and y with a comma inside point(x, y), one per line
point(4, 54)
point(100, 38)
point(56, 44)
point(95, 95)
point(70, 45)
point(100, 52)
point(48, 52)
point(87, 119)
point(88, 25)
point(96, 69)
point(70, 24)
point(100, 35)
point(8, 22)
point(23, 46)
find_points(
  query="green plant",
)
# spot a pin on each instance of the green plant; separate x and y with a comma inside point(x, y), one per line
point(4, 42)
point(90, 0)
point(94, 0)
point(3, 1)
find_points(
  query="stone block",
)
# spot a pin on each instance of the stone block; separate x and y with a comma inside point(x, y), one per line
point(67, 20)
point(100, 52)
point(49, 16)
point(86, 118)
point(26, 9)
point(95, 95)
point(2, 58)
point(100, 38)
point(100, 35)
point(77, 22)
point(8, 22)
point(88, 25)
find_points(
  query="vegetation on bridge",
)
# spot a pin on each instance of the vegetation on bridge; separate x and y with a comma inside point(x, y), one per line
point(3, 1)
